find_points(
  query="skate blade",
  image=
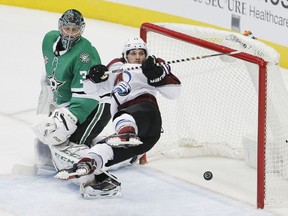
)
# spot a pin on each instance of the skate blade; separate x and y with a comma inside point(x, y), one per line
point(117, 142)
point(66, 175)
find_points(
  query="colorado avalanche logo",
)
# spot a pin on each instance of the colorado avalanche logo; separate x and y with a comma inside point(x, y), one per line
point(84, 58)
point(122, 86)
point(126, 76)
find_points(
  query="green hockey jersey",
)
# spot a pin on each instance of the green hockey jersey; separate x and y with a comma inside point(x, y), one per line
point(66, 72)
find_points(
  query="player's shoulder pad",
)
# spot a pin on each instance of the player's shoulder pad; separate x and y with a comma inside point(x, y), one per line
point(116, 60)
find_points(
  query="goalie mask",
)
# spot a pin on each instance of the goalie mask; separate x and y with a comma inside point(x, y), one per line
point(71, 26)
point(134, 43)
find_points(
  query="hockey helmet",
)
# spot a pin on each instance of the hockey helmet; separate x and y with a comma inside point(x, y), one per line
point(71, 26)
point(133, 43)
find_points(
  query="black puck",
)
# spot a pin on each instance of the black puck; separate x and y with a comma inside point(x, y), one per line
point(208, 175)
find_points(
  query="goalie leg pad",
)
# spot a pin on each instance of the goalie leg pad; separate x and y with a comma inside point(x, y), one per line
point(67, 154)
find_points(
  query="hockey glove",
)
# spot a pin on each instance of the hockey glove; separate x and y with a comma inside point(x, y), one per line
point(155, 74)
point(97, 73)
point(57, 128)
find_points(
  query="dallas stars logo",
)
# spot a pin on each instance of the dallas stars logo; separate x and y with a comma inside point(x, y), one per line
point(84, 57)
point(54, 83)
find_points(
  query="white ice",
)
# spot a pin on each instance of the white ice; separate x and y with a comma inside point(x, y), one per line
point(164, 187)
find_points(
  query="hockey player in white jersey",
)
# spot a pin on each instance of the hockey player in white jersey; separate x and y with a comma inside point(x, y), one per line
point(136, 115)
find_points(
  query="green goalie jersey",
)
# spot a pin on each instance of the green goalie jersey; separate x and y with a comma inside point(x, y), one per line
point(65, 74)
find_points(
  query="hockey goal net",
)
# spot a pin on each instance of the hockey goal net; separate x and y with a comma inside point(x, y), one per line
point(226, 102)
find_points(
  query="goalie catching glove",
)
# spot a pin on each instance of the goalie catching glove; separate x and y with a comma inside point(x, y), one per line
point(155, 74)
point(57, 128)
point(97, 74)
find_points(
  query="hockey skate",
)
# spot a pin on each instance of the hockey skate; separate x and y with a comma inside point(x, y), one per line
point(123, 140)
point(104, 185)
point(85, 166)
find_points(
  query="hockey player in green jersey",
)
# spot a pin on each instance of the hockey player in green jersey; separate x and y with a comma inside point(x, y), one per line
point(74, 117)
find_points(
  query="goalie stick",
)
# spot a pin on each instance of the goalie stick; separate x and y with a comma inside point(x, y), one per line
point(178, 61)
point(25, 170)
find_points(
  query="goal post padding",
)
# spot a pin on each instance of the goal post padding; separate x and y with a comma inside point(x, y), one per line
point(224, 101)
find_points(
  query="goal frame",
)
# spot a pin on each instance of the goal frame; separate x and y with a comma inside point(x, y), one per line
point(262, 93)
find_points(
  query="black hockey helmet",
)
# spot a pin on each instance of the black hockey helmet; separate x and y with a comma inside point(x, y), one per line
point(71, 26)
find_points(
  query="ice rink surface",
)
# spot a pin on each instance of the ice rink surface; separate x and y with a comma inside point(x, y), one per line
point(163, 187)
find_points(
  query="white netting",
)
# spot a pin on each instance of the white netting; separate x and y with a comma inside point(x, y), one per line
point(218, 106)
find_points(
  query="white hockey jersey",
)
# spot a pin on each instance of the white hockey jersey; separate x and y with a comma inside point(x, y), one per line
point(129, 84)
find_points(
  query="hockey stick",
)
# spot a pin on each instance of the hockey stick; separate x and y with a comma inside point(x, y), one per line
point(178, 61)
point(25, 170)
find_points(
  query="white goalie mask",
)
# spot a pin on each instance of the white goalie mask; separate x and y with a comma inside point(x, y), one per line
point(133, 43)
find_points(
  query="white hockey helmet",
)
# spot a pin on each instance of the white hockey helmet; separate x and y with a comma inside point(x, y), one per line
point(134, 43)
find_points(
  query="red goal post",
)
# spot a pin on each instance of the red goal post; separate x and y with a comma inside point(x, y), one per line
point(225, 101)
